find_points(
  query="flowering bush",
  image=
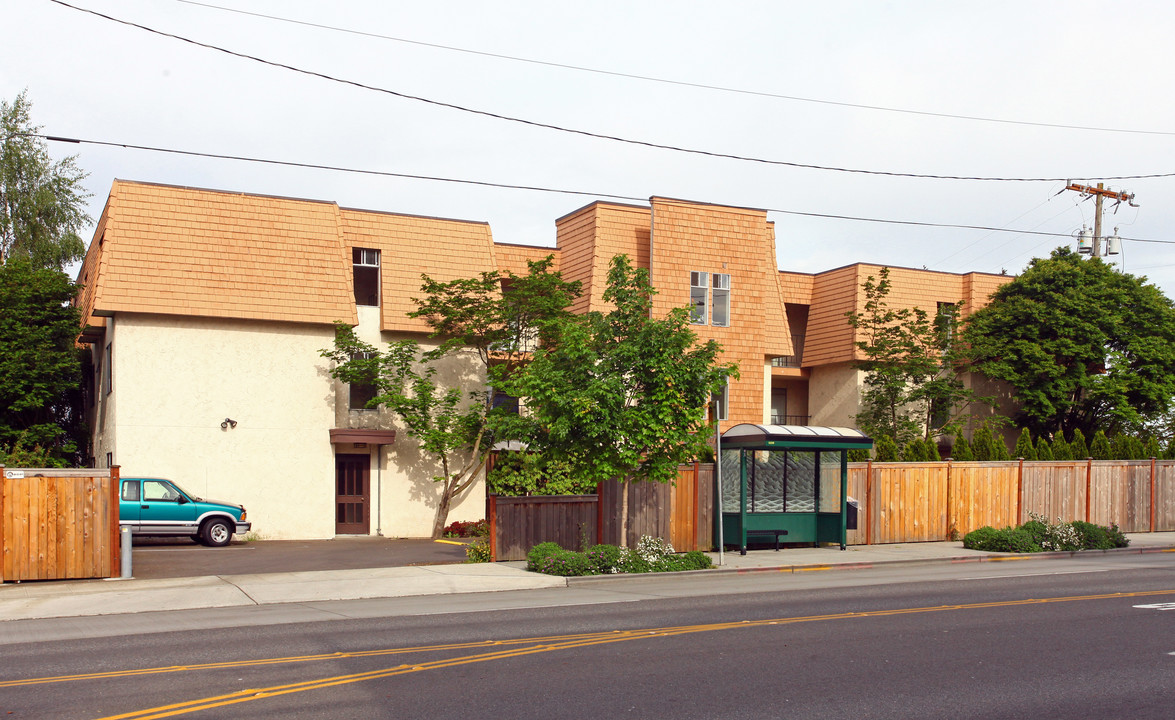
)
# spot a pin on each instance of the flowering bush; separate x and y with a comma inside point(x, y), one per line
point(458, 529)
point(478, 551)
point(649, 555)
point(1052, 536)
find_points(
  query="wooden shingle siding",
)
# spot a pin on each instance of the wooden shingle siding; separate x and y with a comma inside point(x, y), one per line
point(829, 338)
point(411, 246)
point(690, 237)
point(590, 237)
point(514, 258)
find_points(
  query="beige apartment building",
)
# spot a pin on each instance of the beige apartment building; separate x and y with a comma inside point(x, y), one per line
point(205, 312)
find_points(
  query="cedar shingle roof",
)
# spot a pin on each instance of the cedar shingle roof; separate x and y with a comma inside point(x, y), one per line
point(208, 253)
point(205, 253)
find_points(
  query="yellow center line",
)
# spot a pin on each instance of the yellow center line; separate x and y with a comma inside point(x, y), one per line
point(505, 649)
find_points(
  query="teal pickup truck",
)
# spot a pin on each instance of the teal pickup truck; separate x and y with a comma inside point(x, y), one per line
point(154, 506)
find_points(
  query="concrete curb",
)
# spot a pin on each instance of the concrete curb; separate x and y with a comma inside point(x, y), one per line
point(866, 565)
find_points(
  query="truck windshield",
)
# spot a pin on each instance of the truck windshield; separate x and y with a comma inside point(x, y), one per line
point(185, 492)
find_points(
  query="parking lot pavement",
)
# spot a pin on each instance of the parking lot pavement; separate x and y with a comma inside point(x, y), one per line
point(180, 557)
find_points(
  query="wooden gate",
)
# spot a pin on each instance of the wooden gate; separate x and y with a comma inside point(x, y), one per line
point(58, 524)
point(352, 494)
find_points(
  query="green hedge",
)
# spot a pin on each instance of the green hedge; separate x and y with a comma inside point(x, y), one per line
point(1038, 535)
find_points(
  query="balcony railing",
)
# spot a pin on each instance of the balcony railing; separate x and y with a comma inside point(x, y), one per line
point(789, 419)
point(794, 360)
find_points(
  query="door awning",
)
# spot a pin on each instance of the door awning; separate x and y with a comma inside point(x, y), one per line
point(347, 436)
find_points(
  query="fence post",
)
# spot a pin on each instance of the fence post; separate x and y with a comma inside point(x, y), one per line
point(1020, 493)
point(600, 513)
point(1088, 485)
point(1152, 495)
point(869, 502)
point(116, 481)
point(951, 531)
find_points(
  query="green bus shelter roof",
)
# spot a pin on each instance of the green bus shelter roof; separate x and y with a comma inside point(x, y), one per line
point(794, 436)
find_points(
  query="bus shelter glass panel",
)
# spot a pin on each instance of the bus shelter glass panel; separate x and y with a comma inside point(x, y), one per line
point(829, 482)
point(731, 478)
point(802, 476)
point(777, 480)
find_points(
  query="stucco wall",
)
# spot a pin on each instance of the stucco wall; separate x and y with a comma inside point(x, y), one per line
point(834, 395)
point(175, 381)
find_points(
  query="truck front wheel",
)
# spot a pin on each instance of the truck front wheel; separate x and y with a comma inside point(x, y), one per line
point(217, 532)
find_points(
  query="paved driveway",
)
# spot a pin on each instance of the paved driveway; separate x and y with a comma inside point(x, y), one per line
point(176, 557)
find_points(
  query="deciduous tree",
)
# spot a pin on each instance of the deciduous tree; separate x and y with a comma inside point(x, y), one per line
point(1083, 346)
point(40, 368)
point(911, 360)
point(498, 319)
point(42, 202)
point(621, 395)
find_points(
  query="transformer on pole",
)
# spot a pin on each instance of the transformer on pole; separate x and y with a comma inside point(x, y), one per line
point(1091, 243)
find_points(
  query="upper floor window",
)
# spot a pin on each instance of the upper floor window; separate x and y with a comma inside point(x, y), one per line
point(698, 298)
point(361, 394)
point(366, 264)
point(107, 370)
point(720, 314)
point(710, 299)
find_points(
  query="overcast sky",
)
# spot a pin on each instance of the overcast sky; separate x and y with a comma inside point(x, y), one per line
point(1091, 64)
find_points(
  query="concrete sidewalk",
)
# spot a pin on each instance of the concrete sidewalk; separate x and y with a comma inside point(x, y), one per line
point(36, 600)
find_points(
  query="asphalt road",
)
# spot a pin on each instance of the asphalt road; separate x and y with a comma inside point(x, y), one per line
point(1041, 639)
point(181, 557)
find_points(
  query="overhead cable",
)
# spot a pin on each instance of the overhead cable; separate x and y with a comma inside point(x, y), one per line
point(668, 81)
point(586, 133)
point(533, 188)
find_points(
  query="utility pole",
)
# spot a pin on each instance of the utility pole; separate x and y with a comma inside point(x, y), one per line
point(1099, 194)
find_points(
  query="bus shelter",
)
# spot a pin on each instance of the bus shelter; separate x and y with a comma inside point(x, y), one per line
point(786, 482)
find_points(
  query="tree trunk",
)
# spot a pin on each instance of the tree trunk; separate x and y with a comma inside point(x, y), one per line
point(438, 523)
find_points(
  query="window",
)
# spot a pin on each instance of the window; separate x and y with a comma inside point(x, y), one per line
point(107, 375)
point(366, 264)
point(361, 393)
point(130, 490)
point(945, 322)
point(720, 315)
point(508, 403)
point(709, 297)
point(697, 298)
point(159, 491)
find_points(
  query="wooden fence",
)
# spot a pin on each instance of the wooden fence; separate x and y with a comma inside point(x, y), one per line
point(899, 502)
point(58, 524)
point(680, 513)
point(920, 502)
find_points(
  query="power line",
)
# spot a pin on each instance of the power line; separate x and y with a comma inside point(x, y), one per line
point(532, 188)
point(668, 81)
point(586, 133)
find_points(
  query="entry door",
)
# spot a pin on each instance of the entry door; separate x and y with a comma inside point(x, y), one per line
point(352, 494)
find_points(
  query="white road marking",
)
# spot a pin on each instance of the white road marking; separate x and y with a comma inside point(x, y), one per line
point(1158, 606)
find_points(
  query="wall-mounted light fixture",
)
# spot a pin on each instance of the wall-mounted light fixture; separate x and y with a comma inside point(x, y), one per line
point(228, 423)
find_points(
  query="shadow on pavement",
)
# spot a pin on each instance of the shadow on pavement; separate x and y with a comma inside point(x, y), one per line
point(181, 557)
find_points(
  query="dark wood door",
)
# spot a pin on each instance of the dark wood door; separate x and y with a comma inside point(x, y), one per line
point(352, 494)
